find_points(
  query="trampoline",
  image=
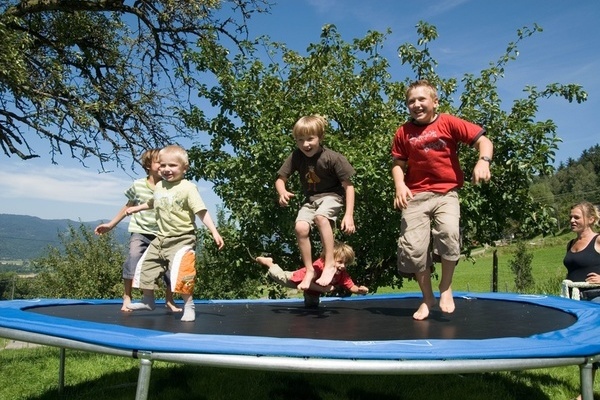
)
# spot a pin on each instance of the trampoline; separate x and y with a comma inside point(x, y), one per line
point(372, 334)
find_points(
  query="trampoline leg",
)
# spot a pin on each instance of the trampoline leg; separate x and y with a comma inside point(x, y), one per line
point(143, 385)
point(587, 381)
point(61, 371)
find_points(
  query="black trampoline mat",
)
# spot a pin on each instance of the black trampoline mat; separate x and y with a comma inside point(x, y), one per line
point(359, 320)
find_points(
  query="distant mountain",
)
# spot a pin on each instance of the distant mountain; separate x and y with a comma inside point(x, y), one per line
point(26, 237)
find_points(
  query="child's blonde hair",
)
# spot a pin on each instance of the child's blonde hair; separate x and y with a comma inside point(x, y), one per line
point(422, 82)
point(148, 158)
point(178, 152)
point(310, 125)
point(342, 252)
point(589, 211)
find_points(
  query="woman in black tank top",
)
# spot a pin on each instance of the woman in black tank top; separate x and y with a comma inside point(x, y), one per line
point(582, 259)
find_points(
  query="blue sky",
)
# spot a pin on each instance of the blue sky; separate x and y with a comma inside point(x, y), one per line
point(472, 33)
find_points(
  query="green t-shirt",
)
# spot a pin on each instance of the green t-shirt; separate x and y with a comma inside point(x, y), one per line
point(176, 205)
point(145, 221)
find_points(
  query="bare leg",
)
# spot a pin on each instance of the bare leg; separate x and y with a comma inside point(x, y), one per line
point(169, 301)
point(266, 261)
point(147, 302)
point(424, 281)
point(446, 300)
point(302, 234)
point(189, 310)
point(127, 289)
point(327, 240)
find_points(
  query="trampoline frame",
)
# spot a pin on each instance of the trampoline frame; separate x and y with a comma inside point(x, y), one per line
point(307, 364)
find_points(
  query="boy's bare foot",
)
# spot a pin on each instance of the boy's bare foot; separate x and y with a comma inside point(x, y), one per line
point(126, 303)
point(172, 307)
point(327, 275)
point(305, 284)
point(266, 261)
point(423, 311)
point(447, 301)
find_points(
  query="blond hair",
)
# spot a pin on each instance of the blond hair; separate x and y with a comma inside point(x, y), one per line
point(310, 125)
point(342, 252)
point(421, 83)
point(178, 152)
point(588, 210)
point(148, 158)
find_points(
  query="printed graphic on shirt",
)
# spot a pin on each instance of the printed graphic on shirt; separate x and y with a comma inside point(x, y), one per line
point(168, 201)
point(312, 178)
point(428, 140)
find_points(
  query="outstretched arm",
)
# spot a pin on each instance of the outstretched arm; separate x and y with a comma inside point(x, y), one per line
point(359, 289)
point(138, 208)
point(106, 227)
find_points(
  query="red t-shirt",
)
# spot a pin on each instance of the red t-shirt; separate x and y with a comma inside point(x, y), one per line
point(431, 152)
point(340, 278)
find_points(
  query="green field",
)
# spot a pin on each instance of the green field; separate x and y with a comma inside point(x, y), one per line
point(475, 275)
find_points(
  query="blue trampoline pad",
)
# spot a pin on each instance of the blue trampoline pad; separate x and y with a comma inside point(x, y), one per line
point(489, 325)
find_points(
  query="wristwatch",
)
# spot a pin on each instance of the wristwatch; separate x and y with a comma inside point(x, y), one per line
point(486, 158)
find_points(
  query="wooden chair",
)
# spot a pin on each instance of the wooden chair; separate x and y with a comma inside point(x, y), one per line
point(572, 290)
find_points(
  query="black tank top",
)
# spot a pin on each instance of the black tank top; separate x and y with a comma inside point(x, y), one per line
point(581, 263)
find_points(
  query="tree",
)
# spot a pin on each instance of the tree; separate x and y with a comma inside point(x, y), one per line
point(224, 274)
point(12, 286)
point(102, 78)
point(520, 265)
point(573, 184)
point(90, 267)
point(350, 83)
point(592, 155)
point(7, 282)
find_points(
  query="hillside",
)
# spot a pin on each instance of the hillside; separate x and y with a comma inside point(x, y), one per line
point(26, 237)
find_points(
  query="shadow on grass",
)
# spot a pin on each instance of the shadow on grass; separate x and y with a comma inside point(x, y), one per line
point(171, 381)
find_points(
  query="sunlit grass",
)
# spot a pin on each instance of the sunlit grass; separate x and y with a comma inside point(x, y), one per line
point(32, 374)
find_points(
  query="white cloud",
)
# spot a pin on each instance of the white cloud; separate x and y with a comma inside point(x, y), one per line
point(76, 193)
point(441, 7)
point(57, 183)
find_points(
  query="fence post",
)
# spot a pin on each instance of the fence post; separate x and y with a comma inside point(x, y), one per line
point(495, 271)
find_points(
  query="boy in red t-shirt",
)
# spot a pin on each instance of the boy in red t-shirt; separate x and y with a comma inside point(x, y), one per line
point(427, 175)
point(343, 256)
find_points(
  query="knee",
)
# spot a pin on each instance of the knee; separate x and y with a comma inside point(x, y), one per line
point(322, 221)
point(302, 229)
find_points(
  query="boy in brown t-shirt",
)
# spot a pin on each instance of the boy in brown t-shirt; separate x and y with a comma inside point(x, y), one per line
point(325, 178)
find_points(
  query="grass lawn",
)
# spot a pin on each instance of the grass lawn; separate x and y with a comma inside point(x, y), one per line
point(32, 373)
point(475, 275)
